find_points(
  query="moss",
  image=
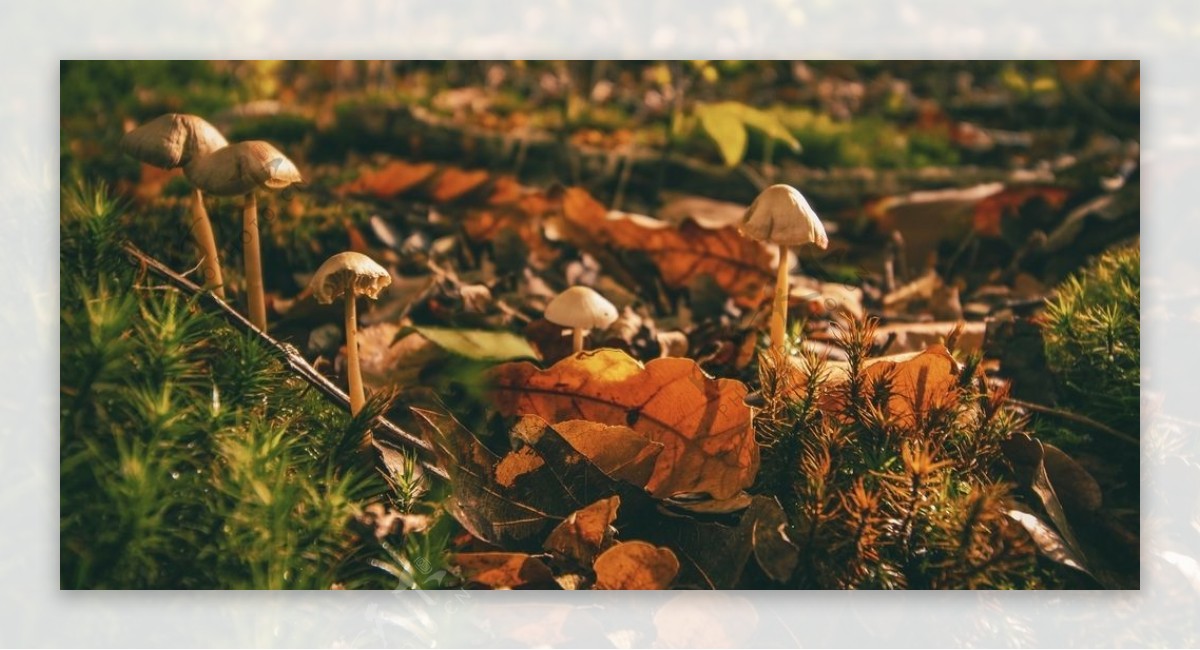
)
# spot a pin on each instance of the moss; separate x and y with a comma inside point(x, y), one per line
point(190, 457)
point(1093, 333)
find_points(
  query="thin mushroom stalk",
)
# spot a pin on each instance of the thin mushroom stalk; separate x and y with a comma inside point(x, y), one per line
point(175, 140)
point(350, 275)
point(781, 215)
point(241, 169)
point(202, 232)
point(358, 395)
point(253, 263)
point(779, 307)
point(577, 339)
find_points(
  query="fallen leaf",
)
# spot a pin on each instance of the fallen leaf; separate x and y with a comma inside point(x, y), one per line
point(480, 345)
point(1048, 541)
point(585, 533)
point(636, 565)
point(992, 209)
point(739, 265)
point(503, 570)
point(1073, 484)
point(919, 383)
point(391, 180)
point(1027, 456)
point(616, 450)
point(914, 337)
point(702, 423)
point(454, 183)
point(709, 213)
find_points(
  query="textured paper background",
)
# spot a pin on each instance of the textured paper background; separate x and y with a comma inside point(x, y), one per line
point(36, 35)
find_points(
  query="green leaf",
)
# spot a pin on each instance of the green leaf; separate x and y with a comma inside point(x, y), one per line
point(479, 345)
point(726, 128)
point(769, 124)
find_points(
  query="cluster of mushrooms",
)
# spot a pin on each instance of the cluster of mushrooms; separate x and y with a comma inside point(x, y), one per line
point(779, 215)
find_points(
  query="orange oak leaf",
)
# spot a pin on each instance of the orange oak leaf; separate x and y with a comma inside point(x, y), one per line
point(389, 181)
point(454, 183)
point(702, 423)
point(919, 383)
point(990, 211)
point(618, 451)
point(636, 565)
point(585, 533)
point(503, 570)
point(739, 265)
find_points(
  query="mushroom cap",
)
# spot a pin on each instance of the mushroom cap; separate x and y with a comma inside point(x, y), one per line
point(348, 273)
point(781, 215)
point(581, 307)
point(172, 140)
point(241, 168)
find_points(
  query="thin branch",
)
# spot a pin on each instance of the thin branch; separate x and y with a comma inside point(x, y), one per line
point(385, 432)
point(1074, 417)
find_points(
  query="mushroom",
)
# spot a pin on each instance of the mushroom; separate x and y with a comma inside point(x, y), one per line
point(350, 275)
point(781, 215)
point(174, 140)
point(581, 309)
point(241, 168)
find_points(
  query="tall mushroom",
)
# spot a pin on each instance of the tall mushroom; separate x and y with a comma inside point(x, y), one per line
point(781, 215)
point(242, 168)
point(581, 309)
point(350, 275)
point(174, 140)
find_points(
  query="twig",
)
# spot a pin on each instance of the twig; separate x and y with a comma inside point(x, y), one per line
point(1074, 417)
point(385, 432)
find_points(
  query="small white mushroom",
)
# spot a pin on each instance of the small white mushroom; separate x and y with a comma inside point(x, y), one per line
point(242, 168)
point(581, 309)
point(781, 215)
point(350, 275)
point(174, 140)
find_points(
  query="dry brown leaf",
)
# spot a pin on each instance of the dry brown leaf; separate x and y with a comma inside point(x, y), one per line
point(618, 451)
point(454, 183)
point(503, 570)
point(740, 266)
point(516, 463)
point(919, 382)
point(388, 362)
point(636, 565)
point(991, 210)
point(585, 533)
point(702, 423)
point(389, 181)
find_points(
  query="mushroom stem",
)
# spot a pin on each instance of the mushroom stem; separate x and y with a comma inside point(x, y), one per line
point(254, 278)
point(780, 306)
point(577, 338)
point(203, 233)
point(353, 372)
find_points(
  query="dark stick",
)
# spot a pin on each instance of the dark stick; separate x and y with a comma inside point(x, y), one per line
point(1074, 417)
point(385, 432)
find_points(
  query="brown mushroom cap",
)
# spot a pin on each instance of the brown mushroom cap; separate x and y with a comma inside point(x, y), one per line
point(781, 215)
point(581, 307)
point(348, 273)
point(172, 140)
point(242, 167)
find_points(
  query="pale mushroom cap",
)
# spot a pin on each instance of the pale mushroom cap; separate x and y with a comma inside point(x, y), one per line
point(172, 140)
point(781, 215)
point(581, 307)
point(241, 168)
point(349, 272)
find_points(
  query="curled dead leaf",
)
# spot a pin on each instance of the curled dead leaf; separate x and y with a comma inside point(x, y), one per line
point(740, 266)
point(585, 533)
point(702, 423)
point(636, 565)
point(503, 570)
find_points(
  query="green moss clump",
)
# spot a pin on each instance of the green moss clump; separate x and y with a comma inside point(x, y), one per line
point(1092, 332)
point(190, 457)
